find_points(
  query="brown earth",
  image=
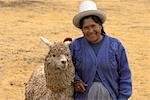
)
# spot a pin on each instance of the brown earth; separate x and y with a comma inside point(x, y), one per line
point(22, 22)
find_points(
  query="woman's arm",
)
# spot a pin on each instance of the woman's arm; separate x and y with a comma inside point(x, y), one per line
point(125, 82)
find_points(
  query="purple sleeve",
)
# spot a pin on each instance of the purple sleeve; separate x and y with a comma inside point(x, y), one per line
point(72, 50)
point(125, 82)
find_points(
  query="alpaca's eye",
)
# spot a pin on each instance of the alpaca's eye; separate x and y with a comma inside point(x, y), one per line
point(54, 55)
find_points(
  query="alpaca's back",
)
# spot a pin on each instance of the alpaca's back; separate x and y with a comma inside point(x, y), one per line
point(53, 81)
point(36, 85)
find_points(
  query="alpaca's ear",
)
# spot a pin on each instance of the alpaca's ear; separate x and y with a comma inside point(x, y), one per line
point(46, 41)
point(67, 42)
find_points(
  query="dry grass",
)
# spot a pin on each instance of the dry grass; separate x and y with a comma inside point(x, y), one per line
point(22, 22)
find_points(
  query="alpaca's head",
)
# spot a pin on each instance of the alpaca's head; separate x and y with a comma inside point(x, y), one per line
point(58, 66)
point(58, 58)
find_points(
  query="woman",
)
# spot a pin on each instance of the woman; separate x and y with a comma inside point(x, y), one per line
point(101, 67)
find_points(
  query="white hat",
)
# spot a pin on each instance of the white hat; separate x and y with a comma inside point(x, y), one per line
point(88, 7)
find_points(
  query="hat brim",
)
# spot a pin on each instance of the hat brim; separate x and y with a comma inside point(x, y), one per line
point(80, 15)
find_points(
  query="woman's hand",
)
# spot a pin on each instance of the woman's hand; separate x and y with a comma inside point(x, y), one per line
point(80, 86)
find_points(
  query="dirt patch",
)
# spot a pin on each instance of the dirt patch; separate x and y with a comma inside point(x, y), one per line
point(21, 3)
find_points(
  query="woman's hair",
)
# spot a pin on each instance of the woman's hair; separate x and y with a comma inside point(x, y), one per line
point(96, 20)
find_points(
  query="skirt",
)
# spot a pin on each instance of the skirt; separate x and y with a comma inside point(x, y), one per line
point(98, 92)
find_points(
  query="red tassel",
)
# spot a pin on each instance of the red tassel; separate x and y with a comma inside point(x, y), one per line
point(67, 39)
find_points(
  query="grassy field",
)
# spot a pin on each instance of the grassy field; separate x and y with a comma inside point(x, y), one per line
point(22, 22)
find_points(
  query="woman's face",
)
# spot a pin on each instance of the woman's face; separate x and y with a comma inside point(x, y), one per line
point(91, 30)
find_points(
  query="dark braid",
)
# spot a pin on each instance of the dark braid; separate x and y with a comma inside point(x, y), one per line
point(96, 20)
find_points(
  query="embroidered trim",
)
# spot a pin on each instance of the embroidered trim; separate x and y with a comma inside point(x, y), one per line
point(113, 52)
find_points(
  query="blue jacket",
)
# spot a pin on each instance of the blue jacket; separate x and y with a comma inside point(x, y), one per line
point(111, 64)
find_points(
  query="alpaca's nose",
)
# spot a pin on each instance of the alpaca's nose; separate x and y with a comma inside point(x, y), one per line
point(63, 62)
point(63, 59)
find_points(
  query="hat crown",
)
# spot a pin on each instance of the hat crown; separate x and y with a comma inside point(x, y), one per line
point(87, 8)
point(87, 5)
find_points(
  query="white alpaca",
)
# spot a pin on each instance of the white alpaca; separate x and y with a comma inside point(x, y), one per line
point(53, 80)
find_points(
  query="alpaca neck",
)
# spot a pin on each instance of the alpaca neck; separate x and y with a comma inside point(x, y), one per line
point(56, 81)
